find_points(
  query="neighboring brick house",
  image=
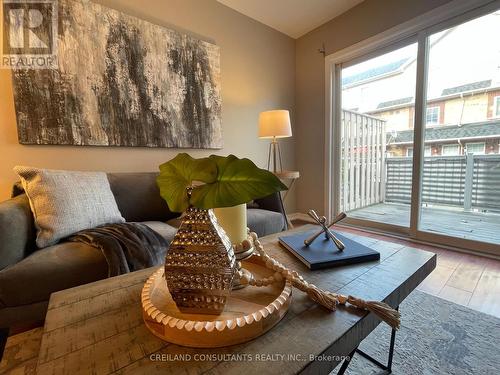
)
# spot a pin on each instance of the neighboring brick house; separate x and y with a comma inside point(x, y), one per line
point(463, 103)
point(478, 138)
point(466, 114)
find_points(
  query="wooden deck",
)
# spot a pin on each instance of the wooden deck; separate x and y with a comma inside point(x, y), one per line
point(450, 222)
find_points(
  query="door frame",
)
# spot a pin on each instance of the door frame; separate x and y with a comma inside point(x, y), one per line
point(416, 30)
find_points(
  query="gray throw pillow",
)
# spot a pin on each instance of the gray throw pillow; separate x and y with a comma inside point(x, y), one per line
point(65, 202)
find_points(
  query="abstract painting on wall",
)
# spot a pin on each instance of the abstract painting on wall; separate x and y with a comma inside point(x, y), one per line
point(121, 81)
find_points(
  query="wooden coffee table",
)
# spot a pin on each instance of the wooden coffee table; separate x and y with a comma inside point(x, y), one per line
point(98, 327)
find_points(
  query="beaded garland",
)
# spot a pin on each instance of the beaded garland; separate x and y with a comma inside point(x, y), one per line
point(325, 298)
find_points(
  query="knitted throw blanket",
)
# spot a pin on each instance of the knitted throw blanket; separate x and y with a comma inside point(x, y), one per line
point(127, 247)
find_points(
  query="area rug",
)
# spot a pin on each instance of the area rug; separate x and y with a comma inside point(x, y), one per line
point(436, 337)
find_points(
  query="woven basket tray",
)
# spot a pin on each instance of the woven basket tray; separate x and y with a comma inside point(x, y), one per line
point(249, 312)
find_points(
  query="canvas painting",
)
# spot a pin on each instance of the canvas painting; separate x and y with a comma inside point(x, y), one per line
point(121, 81)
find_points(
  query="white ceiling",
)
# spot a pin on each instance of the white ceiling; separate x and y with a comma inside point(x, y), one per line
point(292, 17)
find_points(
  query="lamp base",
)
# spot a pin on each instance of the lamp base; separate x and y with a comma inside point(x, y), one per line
point(274, 150)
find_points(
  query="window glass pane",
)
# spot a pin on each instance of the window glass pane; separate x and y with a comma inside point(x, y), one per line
point(476, 148)
point(460, 195)
point(377, 137)
point(432, 115)
point(451, 150)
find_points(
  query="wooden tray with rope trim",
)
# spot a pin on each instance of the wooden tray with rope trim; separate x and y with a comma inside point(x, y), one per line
point(249, 312)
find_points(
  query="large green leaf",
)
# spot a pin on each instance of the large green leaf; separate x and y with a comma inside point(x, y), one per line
point(178, 174)
point(238, 181)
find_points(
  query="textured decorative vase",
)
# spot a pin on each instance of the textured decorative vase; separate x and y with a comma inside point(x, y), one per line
point(200, 265)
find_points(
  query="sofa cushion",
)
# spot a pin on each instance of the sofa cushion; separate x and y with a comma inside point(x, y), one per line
point(49, 270)
point(65, 202)
point(23, 315)
point(17, 230)
point(58, 267)
point(175, 222)
point(165, 230)
point(264, 222)
point(138, 196)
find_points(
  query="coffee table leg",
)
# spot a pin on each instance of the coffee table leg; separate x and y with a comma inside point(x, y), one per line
point(391, 351)
point(387, 368)
point(346, 362)
point(4, 333)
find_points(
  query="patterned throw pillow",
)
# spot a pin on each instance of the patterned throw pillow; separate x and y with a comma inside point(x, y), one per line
point(65, 202)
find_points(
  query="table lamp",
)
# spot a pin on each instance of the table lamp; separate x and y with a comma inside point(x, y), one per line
point(274, 124)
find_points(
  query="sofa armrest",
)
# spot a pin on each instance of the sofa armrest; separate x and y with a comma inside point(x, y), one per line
point(274, 203)
point(17, 230)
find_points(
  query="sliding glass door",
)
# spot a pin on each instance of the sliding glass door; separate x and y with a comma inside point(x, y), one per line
point(415, 139)
point(378, 101)
point(461, 173)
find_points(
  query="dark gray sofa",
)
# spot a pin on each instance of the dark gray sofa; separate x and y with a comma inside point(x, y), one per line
point(29, 275)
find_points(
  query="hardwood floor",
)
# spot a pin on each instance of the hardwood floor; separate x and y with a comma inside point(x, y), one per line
point(468, 280)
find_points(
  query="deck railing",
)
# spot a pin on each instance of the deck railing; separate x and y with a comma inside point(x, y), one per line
point(368, 177)
point(468, 181)
point(362, 160)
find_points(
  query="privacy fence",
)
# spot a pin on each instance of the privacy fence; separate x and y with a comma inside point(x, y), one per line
point(468, 181)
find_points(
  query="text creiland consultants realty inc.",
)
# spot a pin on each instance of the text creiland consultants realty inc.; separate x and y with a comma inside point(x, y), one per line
point(243, 357)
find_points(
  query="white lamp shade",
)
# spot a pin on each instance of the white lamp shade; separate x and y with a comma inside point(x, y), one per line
point(275, 124)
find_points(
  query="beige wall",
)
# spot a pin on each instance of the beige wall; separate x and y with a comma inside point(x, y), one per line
point(396, 119)
point(472, 108)
point(363, 21)
point(257, 72)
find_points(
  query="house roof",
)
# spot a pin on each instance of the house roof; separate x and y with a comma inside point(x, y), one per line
point(374, 72)
point(449, 92)
point(451, 132)
point(467, 87)
point(392, 103)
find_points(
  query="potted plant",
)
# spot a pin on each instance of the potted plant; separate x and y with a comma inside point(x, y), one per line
point(200, 264)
